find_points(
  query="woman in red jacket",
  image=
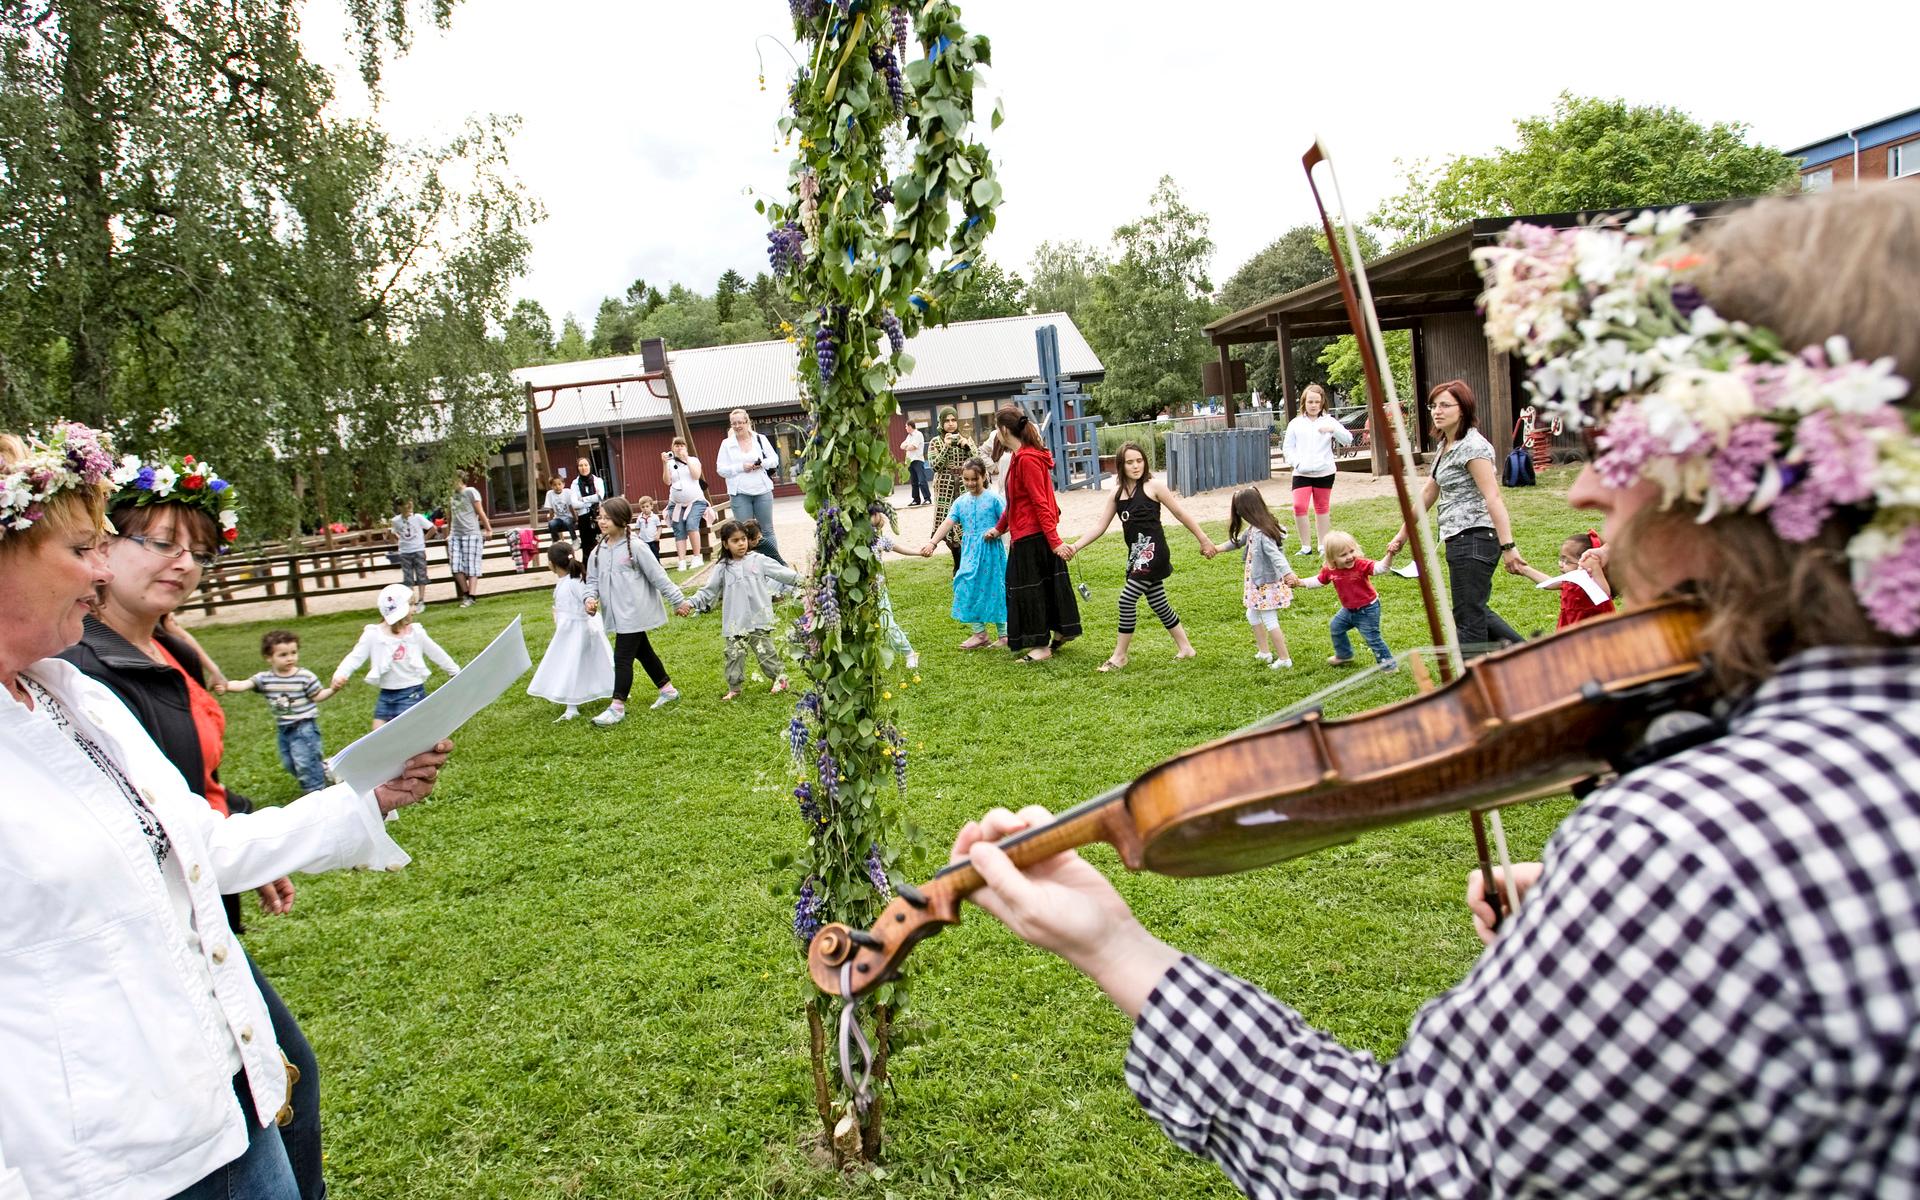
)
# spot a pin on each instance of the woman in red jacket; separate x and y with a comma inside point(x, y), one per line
point(1041, 613)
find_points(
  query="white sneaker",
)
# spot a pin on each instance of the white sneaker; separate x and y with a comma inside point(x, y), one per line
point(913, 660)
point(613, 716)
point(1279, 663)
point(667, 696)
point(695, 565)
point(1264, 656)
point(1303, 552)
point(568, 715)
point(418, 608)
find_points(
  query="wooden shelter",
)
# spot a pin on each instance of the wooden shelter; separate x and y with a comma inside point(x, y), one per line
point(1429, 288)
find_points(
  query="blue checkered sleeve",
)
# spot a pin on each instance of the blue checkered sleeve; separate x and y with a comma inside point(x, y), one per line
point(1713, 991)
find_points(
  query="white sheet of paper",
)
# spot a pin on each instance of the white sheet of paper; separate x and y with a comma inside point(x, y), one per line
point(1580, 579)
point(1408, 570)
point(378, 757)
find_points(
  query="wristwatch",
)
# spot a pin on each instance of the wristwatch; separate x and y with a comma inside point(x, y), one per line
point(1505, 546)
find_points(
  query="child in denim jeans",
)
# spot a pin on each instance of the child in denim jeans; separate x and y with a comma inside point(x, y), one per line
point(294, 695)
point(1352, 579)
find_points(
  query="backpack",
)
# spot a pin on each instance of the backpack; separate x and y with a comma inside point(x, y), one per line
point(1519, 471)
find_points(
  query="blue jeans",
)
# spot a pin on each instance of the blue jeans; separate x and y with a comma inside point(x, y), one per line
point(302, 754)
point(300, 1136)
point(759, 508)
point(1367, 621)
point(261, 1173)
point(688, 526)
point(394, 701)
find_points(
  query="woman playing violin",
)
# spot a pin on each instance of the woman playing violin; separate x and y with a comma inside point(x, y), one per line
point(1712, 984)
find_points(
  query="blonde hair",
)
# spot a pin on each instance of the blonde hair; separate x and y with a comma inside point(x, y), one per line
point(1314, 391)
point(1335, 541)
point(78, 510)
point(1806, 267)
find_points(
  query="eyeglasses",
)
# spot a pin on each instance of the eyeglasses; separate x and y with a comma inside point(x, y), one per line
point(171, 550)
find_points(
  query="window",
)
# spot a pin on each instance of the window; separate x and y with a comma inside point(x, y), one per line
point(507, 481)
point(1905, 160)
point(1817, 181)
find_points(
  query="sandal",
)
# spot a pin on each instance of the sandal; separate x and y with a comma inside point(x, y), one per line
point(976, 641)
point(1030, 659)
point(1111, 665)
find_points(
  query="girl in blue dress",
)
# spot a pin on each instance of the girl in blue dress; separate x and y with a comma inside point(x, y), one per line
point(980, 585)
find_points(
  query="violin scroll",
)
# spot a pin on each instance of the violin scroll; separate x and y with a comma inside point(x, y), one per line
point(875, 954)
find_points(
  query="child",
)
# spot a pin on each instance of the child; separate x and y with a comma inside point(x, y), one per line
point(1136, 500)
point(1352, 580)
point(293, 694)
point(647, 524)
point(1264, 583)
point(739, 585)
point(881, 514)
point(1576, 553)
point(630, 584)
point(980, 585)
point(578, 664)
point(410, 531)
point(397, 651)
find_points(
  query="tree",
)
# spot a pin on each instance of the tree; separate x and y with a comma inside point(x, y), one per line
point(572, 346)
point(528, 335)
point(989, 292)
point(1062, 277)
point(1149, 311)
point(775, 313)
point(1588, 153)
point(872, 239)
point(724, 293)
point(197, 255)
point(1295, 259)
point(613, 328)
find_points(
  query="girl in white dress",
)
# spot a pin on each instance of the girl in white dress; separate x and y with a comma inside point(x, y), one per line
point(578, 664)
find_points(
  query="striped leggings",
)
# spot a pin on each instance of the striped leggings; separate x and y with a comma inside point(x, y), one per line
point(1156, 594)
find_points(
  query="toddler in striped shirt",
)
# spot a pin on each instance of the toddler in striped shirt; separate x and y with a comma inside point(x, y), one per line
point(294, 694)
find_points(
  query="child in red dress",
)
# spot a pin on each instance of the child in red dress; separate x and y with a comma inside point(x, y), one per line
point(1577, 552)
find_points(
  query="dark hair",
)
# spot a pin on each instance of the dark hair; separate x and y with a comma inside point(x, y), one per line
point(618, 510)
point(1014, 419)
point(725, 533)
point(1120, 465)
point(1463, 396)
point(196, 525)
point(1250, 508)
point(753, 531)
point(977, 465)
point(1585, 542)
point(276, 637)
point(561, 558)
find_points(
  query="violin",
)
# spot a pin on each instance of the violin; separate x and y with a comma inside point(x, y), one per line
point(1523, 723)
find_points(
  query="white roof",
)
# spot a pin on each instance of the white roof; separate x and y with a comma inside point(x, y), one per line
point(762, 375)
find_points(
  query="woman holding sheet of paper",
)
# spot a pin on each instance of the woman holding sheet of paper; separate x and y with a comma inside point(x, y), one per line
point(142, 1060)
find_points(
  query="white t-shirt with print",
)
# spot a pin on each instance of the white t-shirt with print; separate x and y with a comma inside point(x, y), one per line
point(412, 533)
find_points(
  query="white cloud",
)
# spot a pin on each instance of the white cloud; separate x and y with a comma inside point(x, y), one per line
point(643, 124)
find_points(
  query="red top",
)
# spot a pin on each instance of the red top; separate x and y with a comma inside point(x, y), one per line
point(210, 722)
point(1031, 507)
point(1353, 584)
point(1575, 606)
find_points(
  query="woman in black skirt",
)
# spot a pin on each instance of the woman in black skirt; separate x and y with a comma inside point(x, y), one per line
point(1041, 613)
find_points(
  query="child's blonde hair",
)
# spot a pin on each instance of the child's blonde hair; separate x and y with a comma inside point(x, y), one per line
point(1337, 541)
point(645, 504)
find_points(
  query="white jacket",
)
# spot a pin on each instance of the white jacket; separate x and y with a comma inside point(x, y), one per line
point(397, 661)
point(115, 1075)
point(1309, 448)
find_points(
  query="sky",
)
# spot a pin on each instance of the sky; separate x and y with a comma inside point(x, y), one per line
point(645, 132)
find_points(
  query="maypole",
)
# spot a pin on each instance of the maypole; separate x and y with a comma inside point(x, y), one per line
point(888, 204)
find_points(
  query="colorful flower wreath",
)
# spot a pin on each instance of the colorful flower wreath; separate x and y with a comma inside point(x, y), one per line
point(1717, 412)
point(183, 480)
point(72, 456)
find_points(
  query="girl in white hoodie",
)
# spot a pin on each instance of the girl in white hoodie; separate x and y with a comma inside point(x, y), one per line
point(1309, 450)
point(397, 651)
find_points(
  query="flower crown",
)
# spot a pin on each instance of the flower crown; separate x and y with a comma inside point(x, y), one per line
point(182, 480)
point(1719, 413)
point(72, 456)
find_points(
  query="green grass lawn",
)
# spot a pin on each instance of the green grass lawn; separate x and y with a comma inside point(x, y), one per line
point(586, 983)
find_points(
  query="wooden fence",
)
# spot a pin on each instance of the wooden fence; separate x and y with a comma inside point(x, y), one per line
point(356, 563)
point(1201, 462)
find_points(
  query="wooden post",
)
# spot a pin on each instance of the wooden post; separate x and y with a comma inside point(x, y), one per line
point(294, 586)
point(1226, 381)
point(1496, 411)
point(1287, 389)
point(536, 461)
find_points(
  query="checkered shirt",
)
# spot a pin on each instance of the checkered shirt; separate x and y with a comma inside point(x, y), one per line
point(1714, 990)
point(463, 550)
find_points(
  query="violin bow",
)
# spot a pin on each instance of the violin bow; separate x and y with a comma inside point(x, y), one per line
point(1384, 402)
